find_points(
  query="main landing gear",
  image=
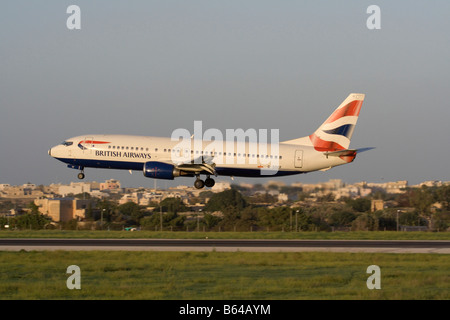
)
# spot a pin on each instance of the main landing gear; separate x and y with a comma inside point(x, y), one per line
point(199, 183)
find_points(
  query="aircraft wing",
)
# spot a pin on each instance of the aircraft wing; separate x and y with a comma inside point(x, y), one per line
point(210, 169)
point(200, 164)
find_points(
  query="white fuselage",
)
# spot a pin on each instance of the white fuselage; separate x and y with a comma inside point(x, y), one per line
point(166, 158)
point(231, 159)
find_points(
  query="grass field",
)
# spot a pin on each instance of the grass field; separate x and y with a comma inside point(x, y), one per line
point(222, 275)
point(354, 235)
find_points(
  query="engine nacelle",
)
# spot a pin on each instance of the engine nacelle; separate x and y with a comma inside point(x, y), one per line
point(160, 170)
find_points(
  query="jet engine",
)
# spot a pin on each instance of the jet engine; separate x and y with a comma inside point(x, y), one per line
point(160, 170)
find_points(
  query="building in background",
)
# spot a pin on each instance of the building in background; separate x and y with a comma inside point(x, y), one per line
point(64, 209)
point(110, 184)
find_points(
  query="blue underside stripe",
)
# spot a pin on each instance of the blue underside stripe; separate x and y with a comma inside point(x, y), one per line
point(125, 165)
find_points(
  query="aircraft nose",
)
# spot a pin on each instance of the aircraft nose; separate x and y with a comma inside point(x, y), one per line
point(50, 152)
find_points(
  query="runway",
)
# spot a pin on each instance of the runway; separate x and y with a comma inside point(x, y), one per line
point(387, 246)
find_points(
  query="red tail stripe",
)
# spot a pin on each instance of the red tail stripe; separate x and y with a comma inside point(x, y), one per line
point(351, 109)
point(322, 145)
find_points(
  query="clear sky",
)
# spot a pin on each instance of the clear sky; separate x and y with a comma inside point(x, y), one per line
point(149, 67)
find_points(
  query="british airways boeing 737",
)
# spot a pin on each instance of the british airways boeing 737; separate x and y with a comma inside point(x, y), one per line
point(167, 158)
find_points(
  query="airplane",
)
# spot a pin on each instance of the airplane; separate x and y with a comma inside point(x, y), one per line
point(166, 158)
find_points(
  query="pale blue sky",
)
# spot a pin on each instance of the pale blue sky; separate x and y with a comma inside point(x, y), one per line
point(149, 67)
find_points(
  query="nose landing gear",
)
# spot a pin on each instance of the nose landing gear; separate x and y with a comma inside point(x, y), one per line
point(81, 174)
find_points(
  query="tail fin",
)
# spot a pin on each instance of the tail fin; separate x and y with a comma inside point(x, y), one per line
point(335, 133)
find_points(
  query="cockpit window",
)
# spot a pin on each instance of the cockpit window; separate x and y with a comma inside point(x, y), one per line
point(67, 143)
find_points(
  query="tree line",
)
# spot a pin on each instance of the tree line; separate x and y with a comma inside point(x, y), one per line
point(231, 210)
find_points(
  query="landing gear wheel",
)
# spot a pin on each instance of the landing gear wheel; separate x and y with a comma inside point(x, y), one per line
point(81, 175)
point(199, 184)
point(209, 182)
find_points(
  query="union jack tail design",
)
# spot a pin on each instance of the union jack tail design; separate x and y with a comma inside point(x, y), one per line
point(335, 133)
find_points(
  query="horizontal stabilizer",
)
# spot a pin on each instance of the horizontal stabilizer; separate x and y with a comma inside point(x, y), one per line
point(364, 149)
point(346, 152)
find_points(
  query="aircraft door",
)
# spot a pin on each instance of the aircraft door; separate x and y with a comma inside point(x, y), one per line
point(88, 145)
point(298, 160)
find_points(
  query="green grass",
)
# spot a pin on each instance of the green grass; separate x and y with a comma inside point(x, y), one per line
point(356, 235)
point(222, 275)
